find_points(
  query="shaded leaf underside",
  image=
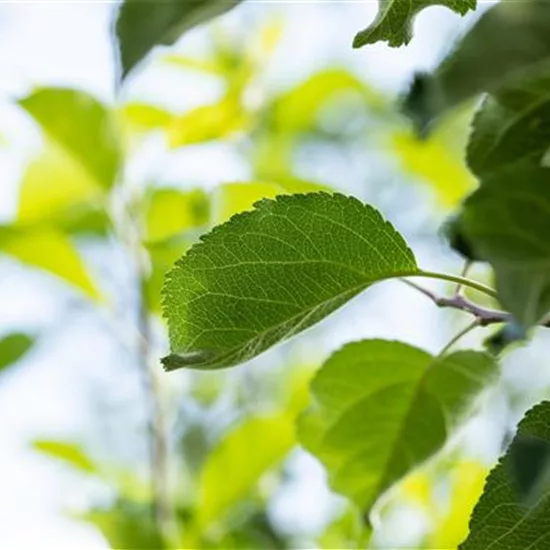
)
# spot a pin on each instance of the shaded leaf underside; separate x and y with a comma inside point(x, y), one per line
point(381, 408)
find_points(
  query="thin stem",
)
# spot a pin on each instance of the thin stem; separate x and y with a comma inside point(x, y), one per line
point(484, 316)
point(130, 233)
point(428, 293)
point(467, 329)
point(459, 280)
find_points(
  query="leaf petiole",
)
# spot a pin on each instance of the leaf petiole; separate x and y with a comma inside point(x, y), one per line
point(463, 281)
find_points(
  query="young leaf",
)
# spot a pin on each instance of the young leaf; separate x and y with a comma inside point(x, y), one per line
point(394, 21)
point(239, 453)
point(502, 518)
point(75, 202)
point(507, 221)
point(13, 347)
point(171, 212)
point(511, 125)
point(80, 126)
point(142, 24)
point(68, 453)
point(50, 250)
point(382, 408)
point(269, 274)
point(485, 61)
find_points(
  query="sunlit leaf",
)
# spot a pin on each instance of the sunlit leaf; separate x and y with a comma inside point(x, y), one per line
point(140, 118)
point(208, 65)
point(142, 25)
point(394, 21)
point(70, 454)
point(269, 274)
point(240, 454)
point(13, 347)
point(50, 250)
point(502, 519)
point(509, 42)
point(298, 109)
point(208, 122)
point(382, 408)
point(506, 221)
point(56, 191)
point(435, 162)
point(511, 125)
point(82, 127)
point(171, 212)
point(467, 479)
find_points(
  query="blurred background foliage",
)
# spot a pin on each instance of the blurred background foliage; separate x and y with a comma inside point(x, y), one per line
point(97, 211)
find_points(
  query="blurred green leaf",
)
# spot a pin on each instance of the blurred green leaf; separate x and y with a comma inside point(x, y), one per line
point(435, 162)
point(511, 125)
point(271, 273)
point(518, 525)
point(382, 408)
point(127, 525)
point(69, 453)
point(208, 65)
point(56, 191)
point(483, 61)
point(50, 250)
point(170, 212)
point(13, 347)
point(208, 122)
point(238, 452)
point(394, 22)
point(81, 127)
point(142, 25)
point(467, 479)
point(506, 222)
point(234, 466)
point(299, 109)
point(141, 118)
point(346, 531)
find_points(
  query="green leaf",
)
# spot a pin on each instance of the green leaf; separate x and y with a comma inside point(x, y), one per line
point(68, 453)
point(50, 250)
point(512, 125)
point(394, 21)
point(382, 408)
point(269, 274)
point(141, 24)
point(239, 453)
point(127, 524)
point(501, 518)
point(142, 117)
point(438, 159)
point(208, 122)
point(298, 109)
point(506, 222)
point(13, 347)
point(171, 212)
point(56, 191)
point(485, 61)
point(80, 126)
